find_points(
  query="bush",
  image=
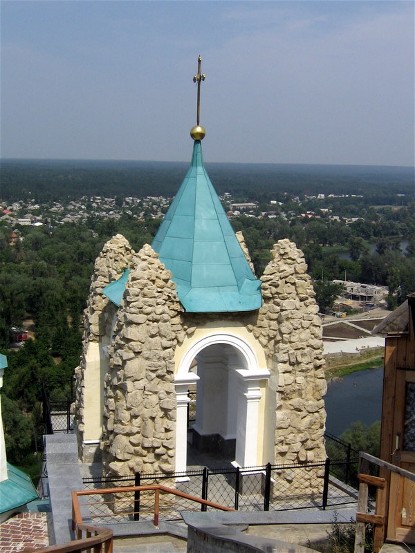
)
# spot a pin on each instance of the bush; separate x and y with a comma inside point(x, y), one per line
point(341, 538)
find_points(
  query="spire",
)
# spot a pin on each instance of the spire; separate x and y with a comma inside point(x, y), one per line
point(198, 245)
point(198, 132)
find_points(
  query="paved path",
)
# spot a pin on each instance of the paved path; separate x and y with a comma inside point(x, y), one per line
point(395, 548)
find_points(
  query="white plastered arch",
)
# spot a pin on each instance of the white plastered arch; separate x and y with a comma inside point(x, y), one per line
point(218, 338)
point(251, 377)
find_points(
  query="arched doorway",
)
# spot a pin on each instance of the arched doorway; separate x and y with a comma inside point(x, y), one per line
point(231, 402)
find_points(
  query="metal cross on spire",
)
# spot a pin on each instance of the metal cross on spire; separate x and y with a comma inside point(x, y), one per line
point(198, 78)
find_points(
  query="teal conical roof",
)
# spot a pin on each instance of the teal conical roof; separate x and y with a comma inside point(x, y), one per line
point(198, 245)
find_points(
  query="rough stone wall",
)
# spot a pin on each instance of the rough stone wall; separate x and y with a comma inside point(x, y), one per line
point(289, 329)
point(114, 258)
point(140, 400)
point(241, 239)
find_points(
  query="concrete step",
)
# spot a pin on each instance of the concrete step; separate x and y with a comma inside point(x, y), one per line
point(150, 544)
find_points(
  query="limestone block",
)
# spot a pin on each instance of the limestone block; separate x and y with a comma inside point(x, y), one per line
point(134, 399)
point(118, 468)
point(150, 403)
point(166, 468)
point(168, 404)
point(136, 319)
point(136, 347)
point(297, 404)
point(135, 369)
point(168, 444)
point(135, 333)
point(121, 448)
point(147, 443)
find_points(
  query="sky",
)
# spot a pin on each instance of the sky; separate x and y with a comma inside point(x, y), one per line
point(326, 82)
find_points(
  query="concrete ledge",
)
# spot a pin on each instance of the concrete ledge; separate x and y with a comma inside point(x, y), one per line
point(222, 531)
point(63, 476)
point(204, 537)
point(304, 516)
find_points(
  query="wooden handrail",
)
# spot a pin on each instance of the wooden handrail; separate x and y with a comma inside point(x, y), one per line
point(384, 464)
point(101, 541)
point(379, 518)
point(157, 488)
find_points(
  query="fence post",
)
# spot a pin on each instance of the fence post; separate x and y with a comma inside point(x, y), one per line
point(267, 486)
point(326, 483)
point(68, 417)
point(205, 483)
point(137, 497)
point(156, 506)
point(47, 421)
point(237, 484)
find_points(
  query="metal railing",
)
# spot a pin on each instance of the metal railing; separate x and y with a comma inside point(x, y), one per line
point(57, 416)
point(262, 488)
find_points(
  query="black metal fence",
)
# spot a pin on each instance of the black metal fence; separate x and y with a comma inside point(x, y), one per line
point(344, 460)
point(57, 416)
point(263, 488)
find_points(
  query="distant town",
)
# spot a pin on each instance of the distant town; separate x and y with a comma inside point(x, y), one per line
point(36, 213)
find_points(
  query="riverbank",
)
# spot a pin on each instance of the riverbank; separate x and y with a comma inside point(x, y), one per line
point(349, 358)
point(343, 370)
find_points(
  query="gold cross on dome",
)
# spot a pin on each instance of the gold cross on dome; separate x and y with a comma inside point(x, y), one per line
point(198, 78)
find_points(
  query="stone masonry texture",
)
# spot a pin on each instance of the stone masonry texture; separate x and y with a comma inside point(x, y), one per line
point(140, 406)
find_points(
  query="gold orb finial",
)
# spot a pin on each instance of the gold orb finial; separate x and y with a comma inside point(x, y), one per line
point(198, 132)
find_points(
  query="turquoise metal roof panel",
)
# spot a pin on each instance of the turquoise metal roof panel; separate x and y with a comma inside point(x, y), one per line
point(172, 248)
point(187, 203)
point(16, 491)
point(115, 290)
point(209, 276)
point(3, 361)
point(182, 270)
point(233, 247)
point(208, 230)
point(197, 244)
point(217, 252)
point(182, 226)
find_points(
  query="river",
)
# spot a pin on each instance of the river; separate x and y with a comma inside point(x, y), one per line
point(355, 397)
point(403, 246)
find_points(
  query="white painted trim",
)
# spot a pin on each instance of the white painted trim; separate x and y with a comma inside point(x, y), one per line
point(219, 338)
point(185, 379)
point(255, 374)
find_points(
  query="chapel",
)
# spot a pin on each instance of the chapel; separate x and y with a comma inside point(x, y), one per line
point(188, 313)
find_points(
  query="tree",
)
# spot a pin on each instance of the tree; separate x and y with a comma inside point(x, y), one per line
point(363, 438)
point(18, 431)
point(326, 293)
point(357, 248)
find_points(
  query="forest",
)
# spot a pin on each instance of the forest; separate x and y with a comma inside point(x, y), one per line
point(45, 275)
point(57, 180)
